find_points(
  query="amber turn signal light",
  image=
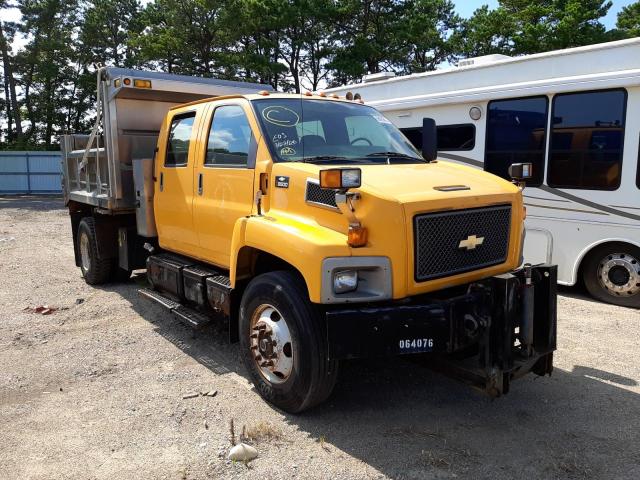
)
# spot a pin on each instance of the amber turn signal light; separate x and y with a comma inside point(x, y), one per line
point(142, 83)
point(340, 178)
point(357, 236)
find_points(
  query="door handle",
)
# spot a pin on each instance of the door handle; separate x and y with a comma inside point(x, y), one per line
point(200, 184)
point(161, 181)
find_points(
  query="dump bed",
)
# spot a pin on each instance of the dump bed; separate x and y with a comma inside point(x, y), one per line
point(131, 104)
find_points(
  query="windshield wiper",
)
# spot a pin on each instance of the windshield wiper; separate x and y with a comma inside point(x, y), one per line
point(393, 154)
point(323, 158)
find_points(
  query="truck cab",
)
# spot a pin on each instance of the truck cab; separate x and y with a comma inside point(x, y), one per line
point(321, 234)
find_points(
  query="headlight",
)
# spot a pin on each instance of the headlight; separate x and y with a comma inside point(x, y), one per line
point(345, 281)
point(356, 279)
point(340, 178)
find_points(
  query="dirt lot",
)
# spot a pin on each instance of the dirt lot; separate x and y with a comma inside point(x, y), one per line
point(95, 390)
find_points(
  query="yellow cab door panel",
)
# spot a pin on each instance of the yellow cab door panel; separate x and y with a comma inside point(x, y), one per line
point(173, 199)
point(224, 178)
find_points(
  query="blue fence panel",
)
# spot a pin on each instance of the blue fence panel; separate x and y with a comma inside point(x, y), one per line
point(30, 172)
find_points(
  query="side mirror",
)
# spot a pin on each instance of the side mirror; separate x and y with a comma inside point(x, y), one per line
point(429, 139)
point(520, 172)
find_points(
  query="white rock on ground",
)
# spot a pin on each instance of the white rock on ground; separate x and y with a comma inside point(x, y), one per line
point(242, 453)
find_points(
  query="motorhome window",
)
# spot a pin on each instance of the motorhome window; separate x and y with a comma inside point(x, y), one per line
point(229, 137)
point(414, 135)
point(516, 133)
point(586, 140)
point(456, 137)
point(178, 142)
point(450, 137)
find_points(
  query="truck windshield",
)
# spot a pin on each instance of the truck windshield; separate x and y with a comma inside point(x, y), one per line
point(325, 131)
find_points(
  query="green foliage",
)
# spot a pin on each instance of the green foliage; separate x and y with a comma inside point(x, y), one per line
point(629, 20)
point(427, 33)
point(292, 45)
point(553, 24)
point(105, 30)
point(486, 32)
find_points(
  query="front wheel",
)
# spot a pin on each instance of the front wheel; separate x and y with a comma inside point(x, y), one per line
point(612, 274)
point(283, 342)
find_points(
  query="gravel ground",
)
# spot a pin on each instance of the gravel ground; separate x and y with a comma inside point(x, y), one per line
point(95, 390)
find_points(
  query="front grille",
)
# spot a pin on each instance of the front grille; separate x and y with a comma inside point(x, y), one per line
point(438, 235)
point(320, 196)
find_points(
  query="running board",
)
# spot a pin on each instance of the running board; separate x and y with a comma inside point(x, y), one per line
point(188, 316)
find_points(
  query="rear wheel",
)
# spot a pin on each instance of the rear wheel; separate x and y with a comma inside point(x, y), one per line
point(283, 342)
point(612, 274)
point(95, 270)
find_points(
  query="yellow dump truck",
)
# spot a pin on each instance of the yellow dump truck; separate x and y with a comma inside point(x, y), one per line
point(312, 227)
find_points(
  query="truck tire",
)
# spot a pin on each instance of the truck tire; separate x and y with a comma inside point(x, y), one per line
point(284, 343)
point(611, 274)
point(95, 270)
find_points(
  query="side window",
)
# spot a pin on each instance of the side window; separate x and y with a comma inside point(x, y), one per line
point(229, 137)
point(178, 142)
point(450, 137)
point(456, 137)
point(516, 133)
point(586, 140)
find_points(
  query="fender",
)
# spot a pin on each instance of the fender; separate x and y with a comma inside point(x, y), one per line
point(303, 245)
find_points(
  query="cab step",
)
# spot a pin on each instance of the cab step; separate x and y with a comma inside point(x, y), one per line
point(188, 316)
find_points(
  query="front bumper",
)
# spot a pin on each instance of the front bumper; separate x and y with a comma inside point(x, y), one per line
point(500, 329)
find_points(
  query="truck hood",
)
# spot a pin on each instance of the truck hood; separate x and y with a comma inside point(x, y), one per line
point(391, 197)
point(410, 183)
point(430, 181)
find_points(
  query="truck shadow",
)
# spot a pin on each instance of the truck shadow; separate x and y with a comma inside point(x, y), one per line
point(41, 203)
point(406, 422)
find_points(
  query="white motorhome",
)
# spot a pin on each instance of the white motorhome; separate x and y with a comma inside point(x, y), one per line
point(575, 115)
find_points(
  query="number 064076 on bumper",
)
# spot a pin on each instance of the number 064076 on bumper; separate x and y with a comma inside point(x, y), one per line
point(387, 331)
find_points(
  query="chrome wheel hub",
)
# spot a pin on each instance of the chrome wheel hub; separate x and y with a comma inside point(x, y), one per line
point(84, 252)
point(271, 344)
point(619, 274)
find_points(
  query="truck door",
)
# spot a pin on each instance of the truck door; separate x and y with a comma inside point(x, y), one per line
point(224, 177)
point(173, 199)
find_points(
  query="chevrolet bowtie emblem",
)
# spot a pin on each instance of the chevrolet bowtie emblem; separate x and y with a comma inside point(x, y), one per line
point(471, 242)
